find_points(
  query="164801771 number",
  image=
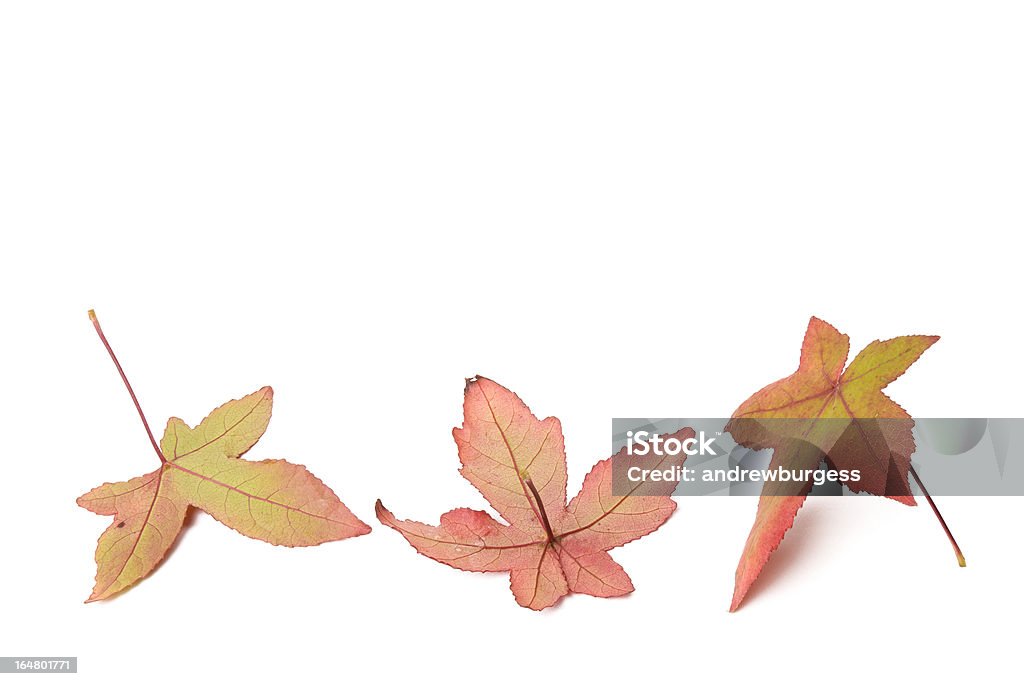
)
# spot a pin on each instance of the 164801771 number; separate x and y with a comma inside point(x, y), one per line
point(14, 665)
point(40, 665)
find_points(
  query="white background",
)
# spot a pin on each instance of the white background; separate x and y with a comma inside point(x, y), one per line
point(615, 209)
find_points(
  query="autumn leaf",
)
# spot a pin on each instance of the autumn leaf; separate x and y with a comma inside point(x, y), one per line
point(270, 500)
point(825, 413)
point(550, 549)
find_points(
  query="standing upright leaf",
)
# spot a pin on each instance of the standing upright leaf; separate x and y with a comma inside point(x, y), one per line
point(823, 412)
point(549, 548)
point(271, 500)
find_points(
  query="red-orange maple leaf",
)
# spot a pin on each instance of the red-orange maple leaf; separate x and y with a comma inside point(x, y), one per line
point(551, 549)
point(822, 412)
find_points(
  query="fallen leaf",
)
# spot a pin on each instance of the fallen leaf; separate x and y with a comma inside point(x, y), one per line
point(550, 549)
point(822, 412)
point(270, 500)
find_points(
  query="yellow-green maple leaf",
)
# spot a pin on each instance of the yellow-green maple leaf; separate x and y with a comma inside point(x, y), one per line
point(271, 500)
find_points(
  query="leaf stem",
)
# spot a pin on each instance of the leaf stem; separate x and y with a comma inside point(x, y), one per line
point(949, 534)
point(142, 416)
point(540, 507)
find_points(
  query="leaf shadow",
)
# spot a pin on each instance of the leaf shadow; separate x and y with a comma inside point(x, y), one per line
point(797, 543)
